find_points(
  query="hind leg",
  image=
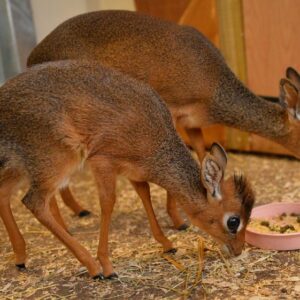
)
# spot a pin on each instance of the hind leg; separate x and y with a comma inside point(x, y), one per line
point(44, 183)
point(70, 201)
point(38, 203)
point(10, 224)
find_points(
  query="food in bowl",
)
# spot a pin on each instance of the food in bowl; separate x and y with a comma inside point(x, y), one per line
point(282, 224)
point(273, 240)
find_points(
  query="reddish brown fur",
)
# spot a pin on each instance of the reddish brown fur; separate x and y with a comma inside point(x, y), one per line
point(186, 70)
point(56, 116)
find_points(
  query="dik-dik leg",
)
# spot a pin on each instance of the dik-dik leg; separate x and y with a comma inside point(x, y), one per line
point(10, 224)
point(194, 133)
point(143, 190)
point(174, 214)
point(56, 213)
point(106, 182)
point(70, 201)
point(197, 141)
point(38, 203)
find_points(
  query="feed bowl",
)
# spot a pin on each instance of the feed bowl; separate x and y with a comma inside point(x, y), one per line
point(278, 241)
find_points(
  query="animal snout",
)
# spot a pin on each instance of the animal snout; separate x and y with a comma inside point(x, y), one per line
point(233, 250)
point(237, 251)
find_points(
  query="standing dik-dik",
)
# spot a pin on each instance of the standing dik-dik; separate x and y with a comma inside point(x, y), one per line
point(186, 70)
point(59, 115)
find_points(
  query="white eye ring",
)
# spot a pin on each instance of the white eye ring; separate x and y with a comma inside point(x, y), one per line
point(229, 215)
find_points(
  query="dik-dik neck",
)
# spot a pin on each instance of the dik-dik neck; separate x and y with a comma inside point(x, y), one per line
point(235, 106)
point(174, 169)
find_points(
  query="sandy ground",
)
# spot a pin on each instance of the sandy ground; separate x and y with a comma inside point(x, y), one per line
point(53, 273)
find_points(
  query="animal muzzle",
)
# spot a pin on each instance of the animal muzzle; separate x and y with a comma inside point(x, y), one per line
point(234, 249)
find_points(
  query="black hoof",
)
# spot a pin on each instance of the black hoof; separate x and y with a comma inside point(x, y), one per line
point(99, 277)
point(171, 251)
point(84, 213)
point(21, 266)
point(112, 276)
point(183, 227)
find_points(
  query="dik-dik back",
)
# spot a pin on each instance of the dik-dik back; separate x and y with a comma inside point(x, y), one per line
point(161, 53)
point(59, 113)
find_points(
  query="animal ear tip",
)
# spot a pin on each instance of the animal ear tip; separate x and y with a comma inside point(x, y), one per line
point(285, 81)
point(282, 81)
point(213, 145)
point(218, 146)
point(290, 70)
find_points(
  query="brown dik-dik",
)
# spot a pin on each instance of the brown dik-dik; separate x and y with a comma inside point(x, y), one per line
point(59, 115)
point(186, 70)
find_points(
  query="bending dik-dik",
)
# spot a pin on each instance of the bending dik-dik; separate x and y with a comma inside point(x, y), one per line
point(59, 115)
point(186, 70)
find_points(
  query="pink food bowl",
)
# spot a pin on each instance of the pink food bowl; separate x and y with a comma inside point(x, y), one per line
point(287, 241)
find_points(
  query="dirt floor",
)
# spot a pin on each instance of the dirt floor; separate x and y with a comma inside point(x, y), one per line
point(144, 273)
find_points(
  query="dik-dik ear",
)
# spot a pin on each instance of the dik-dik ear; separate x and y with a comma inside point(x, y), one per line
point(289, 94)
point(212, 171)
point(294, 76)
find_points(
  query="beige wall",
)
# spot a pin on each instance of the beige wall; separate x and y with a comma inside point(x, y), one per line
point(47, 14)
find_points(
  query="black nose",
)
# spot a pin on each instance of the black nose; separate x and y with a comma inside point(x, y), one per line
point(233, 224)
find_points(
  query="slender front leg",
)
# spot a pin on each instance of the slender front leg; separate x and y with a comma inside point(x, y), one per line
point(56, 213)
point(106, 181)
point(38, 204)
point(70, 201)
point(197, 141)
point(174, 214)
point(143, 190)
point(11, 226)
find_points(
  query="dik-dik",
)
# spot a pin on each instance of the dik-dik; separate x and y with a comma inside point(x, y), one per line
point(57, 116)
point(184, 68)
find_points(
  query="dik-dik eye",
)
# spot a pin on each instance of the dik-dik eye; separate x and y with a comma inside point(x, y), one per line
point(233, 224)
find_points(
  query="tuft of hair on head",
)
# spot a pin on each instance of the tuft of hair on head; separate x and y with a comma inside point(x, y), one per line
point(3, 161)
point(244, 192)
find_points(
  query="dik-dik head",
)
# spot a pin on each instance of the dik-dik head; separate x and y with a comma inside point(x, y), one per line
point(229, 202)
